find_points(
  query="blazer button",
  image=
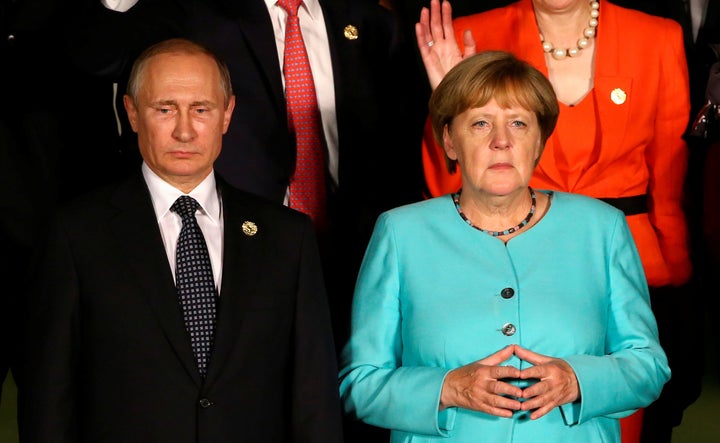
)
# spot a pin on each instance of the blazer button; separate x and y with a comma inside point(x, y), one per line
point(508, 329)
point(507, 293)
point(205, 403)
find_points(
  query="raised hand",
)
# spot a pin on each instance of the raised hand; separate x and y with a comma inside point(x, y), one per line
point(436, 41)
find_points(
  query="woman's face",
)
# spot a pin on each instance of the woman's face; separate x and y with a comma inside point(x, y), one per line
point(496, 148)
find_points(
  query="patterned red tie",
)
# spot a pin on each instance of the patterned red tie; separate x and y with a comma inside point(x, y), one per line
point(307, 185)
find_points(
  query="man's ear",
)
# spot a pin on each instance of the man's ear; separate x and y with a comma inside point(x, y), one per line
point(131, 110)
point(228, 114)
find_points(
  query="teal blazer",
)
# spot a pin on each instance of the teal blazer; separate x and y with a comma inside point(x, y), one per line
point(431, 296)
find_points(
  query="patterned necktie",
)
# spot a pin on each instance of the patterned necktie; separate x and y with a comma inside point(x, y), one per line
point(307, 186)
point(194, 282)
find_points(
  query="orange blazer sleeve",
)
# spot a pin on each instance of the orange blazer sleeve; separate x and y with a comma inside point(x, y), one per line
point(667, 155)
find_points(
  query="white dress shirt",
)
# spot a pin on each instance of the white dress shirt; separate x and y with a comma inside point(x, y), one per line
point(697, 15)
point(209, 217)
point(119, 5)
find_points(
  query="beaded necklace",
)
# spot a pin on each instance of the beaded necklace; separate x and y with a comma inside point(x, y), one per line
point(456, 200)
point(582, 43)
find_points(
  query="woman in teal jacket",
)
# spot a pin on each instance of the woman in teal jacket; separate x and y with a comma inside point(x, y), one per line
point(465, 330)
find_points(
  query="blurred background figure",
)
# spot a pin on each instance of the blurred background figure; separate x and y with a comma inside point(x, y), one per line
point(49, 119)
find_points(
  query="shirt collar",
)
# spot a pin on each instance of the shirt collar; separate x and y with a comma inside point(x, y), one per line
point(164, 194)
point(311, 6)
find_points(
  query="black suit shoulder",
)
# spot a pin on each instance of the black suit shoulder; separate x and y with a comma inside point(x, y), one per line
point(242, 204)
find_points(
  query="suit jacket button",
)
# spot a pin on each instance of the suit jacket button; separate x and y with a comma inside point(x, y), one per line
point(507, 293)
point(205, 403)
point(508, 329)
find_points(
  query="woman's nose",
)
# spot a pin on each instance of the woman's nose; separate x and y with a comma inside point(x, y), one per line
point(501, 138)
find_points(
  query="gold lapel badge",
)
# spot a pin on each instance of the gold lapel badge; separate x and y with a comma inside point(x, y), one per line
point(249, 228)
point(350, 32)
point(618, 96)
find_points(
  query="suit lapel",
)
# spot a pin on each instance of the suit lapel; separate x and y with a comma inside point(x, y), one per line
point(528, 44)
point(137, 229)
point(254, 23)
point(239, 27)
point(613, 91)
point(709, 32)
point(343, 52)
point(240, 268)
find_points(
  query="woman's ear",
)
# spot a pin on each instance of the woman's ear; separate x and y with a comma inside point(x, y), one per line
point(448, 145)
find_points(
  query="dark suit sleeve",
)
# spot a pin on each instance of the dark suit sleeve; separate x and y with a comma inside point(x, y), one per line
point(47, 403)
point(315, 404)
point(105, 42)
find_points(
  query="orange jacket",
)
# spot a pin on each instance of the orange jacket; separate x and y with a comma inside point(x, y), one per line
point(615, 148)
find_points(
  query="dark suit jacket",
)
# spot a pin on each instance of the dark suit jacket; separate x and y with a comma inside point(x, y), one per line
point(110, 358)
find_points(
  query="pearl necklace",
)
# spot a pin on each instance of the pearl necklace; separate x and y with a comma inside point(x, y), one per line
point(456, 200)
point(582, 43)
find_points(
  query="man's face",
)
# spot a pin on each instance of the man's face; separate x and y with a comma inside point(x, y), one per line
point(180, 117)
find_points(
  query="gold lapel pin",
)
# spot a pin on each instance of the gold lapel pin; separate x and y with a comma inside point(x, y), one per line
point(350, 32)
point(249, 228)
point(618, 96)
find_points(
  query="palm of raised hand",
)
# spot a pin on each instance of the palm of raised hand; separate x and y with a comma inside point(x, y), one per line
point(436, 41)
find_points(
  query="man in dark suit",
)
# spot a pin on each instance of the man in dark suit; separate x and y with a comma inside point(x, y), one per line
point(371, 112)
point(376, 164)
point(110, 356)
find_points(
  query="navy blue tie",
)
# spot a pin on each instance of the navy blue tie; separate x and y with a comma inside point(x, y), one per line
point(195, 283)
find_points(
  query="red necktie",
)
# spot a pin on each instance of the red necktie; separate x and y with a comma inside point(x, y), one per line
point(307, 185)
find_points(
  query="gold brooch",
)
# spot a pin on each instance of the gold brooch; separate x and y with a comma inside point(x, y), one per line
point(249, 228)
point(618, 96)
point(351, 32)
